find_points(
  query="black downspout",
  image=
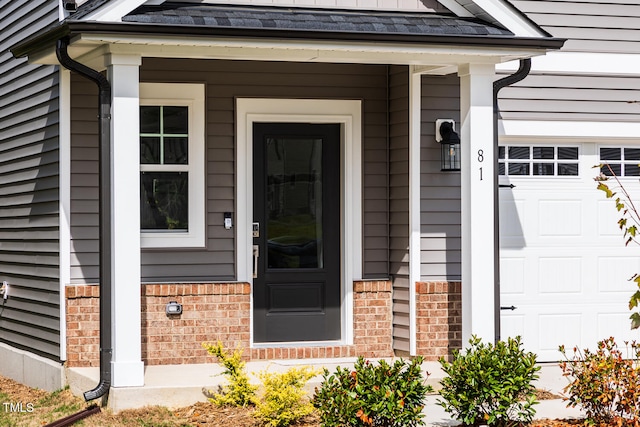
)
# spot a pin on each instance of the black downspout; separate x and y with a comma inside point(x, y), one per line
point(523, 71)
point(104, 160)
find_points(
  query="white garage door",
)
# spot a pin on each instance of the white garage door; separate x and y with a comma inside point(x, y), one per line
point(564, 265)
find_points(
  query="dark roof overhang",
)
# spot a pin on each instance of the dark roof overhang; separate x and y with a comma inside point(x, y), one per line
point(310, 24)
point(290, 25)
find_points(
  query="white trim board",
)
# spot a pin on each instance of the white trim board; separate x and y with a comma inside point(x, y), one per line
point(65, 201)
point(348, 113)
point(499, 10)
point(415, 211)
point(569, 129)
point(114, 10)
point(581, 63)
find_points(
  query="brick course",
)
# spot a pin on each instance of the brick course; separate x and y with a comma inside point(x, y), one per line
point(438, 318)
point(217, 311)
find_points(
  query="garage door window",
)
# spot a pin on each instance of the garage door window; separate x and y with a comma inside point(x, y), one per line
point(622, 161)
point(526, 160)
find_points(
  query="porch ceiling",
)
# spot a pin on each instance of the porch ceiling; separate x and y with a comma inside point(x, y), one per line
point(437, 43)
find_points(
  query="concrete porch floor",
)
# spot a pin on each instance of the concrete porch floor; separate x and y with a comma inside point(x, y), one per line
point(176, 386)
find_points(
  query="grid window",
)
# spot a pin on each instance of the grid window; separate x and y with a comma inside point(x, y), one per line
point(164, 140)
point(620, 161)
point(172, 194)
point(525, 160)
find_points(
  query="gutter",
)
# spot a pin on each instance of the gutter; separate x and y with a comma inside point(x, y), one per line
point(523, 71)
point(104, 134)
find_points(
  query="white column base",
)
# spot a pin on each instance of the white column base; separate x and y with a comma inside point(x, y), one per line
point(127, 374)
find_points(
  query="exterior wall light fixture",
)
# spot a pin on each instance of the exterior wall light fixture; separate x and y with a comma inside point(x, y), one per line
point(70, 5)
point(449, 144)
point(173, 308)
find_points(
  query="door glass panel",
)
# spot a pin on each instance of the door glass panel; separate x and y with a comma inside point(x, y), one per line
point(294, 202)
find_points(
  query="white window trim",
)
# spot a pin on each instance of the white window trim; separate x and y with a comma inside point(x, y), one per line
point(191, 95)
point(348, 113)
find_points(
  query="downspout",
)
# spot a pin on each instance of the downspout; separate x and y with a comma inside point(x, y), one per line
point(523, 71)
point(104, 160)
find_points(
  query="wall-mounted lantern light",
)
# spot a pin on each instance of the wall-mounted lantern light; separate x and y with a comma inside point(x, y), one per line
point(70, 5)
point(449, 144)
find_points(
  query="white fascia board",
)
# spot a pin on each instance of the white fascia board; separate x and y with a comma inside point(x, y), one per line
point(456, 7)
point(569, 129)
point(443, 58)
point(581, 63)
point(509, 17)
point(114, 10)
point(513, 20)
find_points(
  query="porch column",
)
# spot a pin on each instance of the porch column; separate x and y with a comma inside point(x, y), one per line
point(477, 169)
point(415, 121)
point(126, 363)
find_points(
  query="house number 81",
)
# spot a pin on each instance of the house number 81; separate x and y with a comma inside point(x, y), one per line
point(480, 160)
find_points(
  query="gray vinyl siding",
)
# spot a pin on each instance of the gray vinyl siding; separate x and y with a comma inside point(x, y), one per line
point(590, 25)
point(440, 211)
point(226, 80)
point(29, 186)
point(84, 180)
point(439, 195)
point(572, 97)
point(399, 203)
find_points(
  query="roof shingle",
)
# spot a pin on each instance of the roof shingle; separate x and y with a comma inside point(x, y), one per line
point(306, 19)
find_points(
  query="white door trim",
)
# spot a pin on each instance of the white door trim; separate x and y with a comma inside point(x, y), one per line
point(348, 113)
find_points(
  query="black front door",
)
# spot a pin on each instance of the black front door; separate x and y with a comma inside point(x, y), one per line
point(296, 211)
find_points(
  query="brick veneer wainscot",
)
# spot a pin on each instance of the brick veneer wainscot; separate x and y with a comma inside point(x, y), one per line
point(438, 318)
point(218, 311)
point(83, 325)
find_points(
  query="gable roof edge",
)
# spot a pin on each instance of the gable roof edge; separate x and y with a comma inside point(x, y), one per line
point(499, 12)
point(111, 10)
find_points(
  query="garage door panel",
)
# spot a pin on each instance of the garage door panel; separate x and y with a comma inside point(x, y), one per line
point(560, 275)
point(513, 325)
point(615, 272)
point(512, 215)
point(607, 220)
point(557, 329)
point(512, 276)
point(560, 218)
point(616, 324)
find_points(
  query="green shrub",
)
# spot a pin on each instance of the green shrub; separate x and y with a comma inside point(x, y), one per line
point(283, 401)
point(604, 384)
point(373, 395)
point(238, 392)
point(490, 384)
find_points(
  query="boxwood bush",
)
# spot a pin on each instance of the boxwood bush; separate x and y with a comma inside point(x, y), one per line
point(380, 395)
point(490, 384)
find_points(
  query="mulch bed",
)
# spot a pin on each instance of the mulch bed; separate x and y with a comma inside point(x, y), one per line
point(201, 414)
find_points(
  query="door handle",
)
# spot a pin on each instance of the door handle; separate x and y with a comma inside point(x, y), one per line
point(256, 255)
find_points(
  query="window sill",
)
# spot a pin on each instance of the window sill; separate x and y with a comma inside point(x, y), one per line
point(171, 240)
